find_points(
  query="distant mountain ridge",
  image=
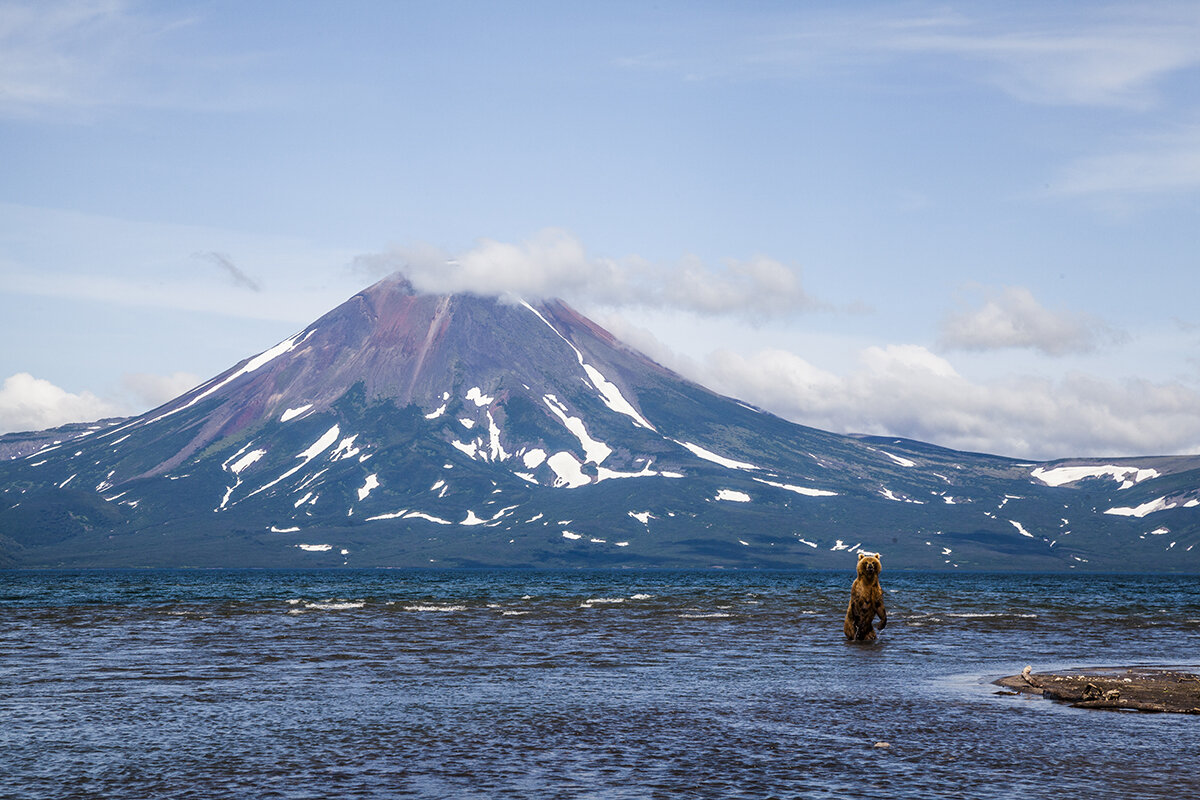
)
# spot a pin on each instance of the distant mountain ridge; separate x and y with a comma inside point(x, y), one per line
point(407, 429)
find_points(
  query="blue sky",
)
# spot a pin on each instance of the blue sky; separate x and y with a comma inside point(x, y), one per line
point(973, 224)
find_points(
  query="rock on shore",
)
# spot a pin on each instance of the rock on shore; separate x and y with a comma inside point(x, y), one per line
point(1152, 689)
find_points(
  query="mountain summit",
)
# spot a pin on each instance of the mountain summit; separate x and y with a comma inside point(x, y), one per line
point(407, 429)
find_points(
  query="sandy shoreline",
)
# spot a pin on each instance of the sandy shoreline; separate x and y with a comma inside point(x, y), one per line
point(1152, 689)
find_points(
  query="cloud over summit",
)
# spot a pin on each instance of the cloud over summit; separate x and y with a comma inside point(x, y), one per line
point(553, 263)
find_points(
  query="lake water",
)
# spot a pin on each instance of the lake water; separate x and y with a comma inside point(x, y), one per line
point(510, 684)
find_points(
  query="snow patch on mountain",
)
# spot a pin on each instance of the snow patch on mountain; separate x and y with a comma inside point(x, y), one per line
point(733, 495)
point(246, 460)
point(345, 449)
point(476, 396)
point(260, 360)
point(904, 462)
point(609, 394)
point(604, 474)
point(1160, 504)
point(427, 517)
point(371, 483)
point(804, 490)
point(292, 413)
point(494, 447)
point(1061, 476)
point(471, 449)
point(709, 455)
point(594, 451)
point(568, 470)
point(315, 449)
point(1021, 529)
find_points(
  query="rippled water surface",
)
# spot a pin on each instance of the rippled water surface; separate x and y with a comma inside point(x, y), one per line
point(564, 684)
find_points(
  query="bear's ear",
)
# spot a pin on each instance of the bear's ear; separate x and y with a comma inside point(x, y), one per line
point(879, 556)
point(861, 555)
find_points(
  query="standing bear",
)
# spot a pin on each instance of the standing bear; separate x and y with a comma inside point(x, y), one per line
point(866, 600)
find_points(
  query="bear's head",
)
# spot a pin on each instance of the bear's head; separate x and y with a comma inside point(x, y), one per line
point(869, 565)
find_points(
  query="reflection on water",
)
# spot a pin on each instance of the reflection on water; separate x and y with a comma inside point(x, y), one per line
point(568, 684)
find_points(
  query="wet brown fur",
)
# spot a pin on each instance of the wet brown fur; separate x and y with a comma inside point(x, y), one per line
point(866, 600)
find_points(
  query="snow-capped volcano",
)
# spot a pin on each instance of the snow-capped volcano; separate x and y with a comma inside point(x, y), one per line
point(412, 429)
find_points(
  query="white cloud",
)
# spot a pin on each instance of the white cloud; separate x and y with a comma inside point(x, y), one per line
point(31, 404)
point(150, 391)
point(1162, 163)
point(1085, 55)
point(553, 263)
point(908, 391)
point(55, 54)
point(74, 57)
point(1099, 57)
point(1012, 317)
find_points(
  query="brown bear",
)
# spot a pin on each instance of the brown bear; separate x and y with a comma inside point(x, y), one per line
point(866, 600)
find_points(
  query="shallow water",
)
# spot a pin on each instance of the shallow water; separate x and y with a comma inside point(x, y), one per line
point(566, 684)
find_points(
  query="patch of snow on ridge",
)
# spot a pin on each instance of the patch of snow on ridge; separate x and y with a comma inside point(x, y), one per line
point(497, 450)
point(427, 517)
point(435, 414)
point(316, 448)
point(1021, 529)
point(804, 490)
point(568, 470)
point(246, 460)
point(470, 449)
point(345, 449)
point(315, 548)
point(372, 482)
point(610, 395)
point(733, 495)
point(1161, 504)
point(393, 515)
point(904, 462)
point(594, 451)
point(319, 446)
point(292, 413)
point(604, 474)
point(569, 535)
point(480, 399)
point(1060, 476)
point(708, 455)
point(253, 364)
point(534, 458)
